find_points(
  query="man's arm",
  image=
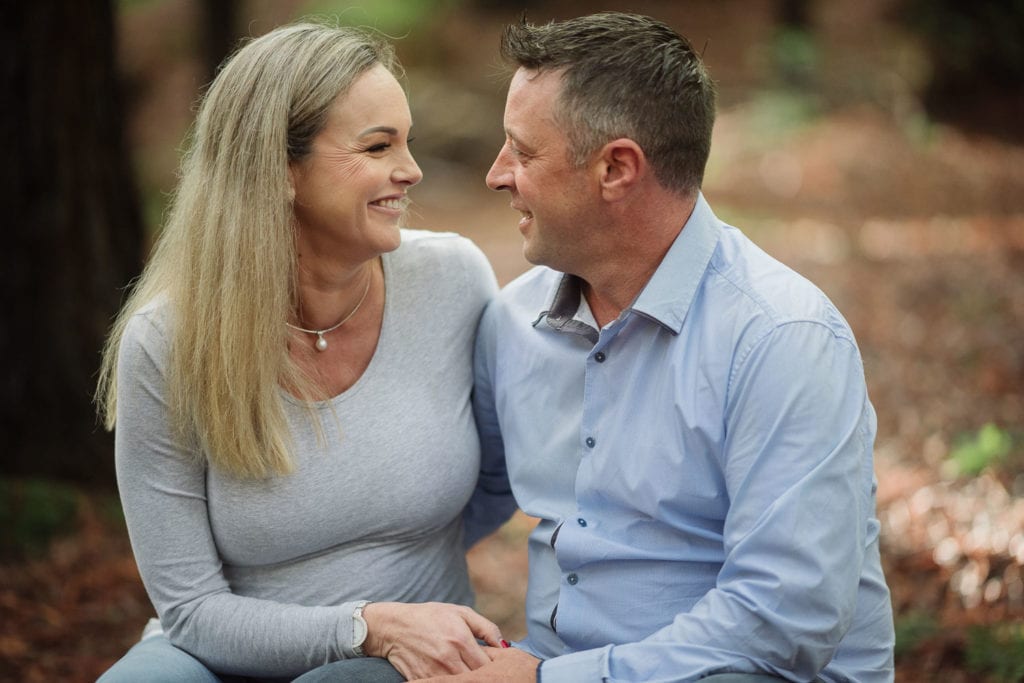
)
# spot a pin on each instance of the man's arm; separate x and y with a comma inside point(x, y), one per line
point(510, 665)
point(492, 502)
point(798, 471)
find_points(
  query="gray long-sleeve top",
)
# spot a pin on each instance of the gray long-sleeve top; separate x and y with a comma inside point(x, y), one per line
point(260, 577)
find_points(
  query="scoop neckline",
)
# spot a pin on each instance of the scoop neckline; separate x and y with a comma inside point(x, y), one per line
point(371, 367)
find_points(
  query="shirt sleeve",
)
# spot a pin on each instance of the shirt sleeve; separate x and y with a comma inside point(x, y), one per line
point(492, 502)
point(797, 463)
point(163, 492)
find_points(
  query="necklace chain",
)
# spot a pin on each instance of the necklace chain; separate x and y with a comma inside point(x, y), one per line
point(321, 343)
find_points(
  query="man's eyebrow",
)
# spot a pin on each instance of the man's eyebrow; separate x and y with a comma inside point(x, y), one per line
point(522, 148)
point(379, 129)
point(516, 140)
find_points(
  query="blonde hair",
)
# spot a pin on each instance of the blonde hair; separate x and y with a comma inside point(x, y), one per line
point(225, 262)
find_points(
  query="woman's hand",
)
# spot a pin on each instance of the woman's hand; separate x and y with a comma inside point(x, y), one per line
point(428, 639)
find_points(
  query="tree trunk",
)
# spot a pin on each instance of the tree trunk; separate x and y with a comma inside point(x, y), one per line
point(219, 32)
point(74, 236)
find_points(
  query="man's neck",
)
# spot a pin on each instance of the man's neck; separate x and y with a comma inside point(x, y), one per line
point(610, 295)
point(612, 281)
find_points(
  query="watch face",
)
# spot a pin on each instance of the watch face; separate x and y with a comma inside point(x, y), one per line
point(358, 628)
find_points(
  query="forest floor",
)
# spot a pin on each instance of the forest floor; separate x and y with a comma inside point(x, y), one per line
point(914, 229)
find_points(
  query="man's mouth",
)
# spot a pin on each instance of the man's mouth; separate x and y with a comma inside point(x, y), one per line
point(527, 214)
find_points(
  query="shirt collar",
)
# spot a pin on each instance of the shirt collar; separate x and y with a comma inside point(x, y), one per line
point(565, 303)
point(668, 294)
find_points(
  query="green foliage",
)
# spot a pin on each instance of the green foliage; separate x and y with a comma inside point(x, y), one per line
point(133, 4)
point(394, 17)
point(32, 513)
point(778, 114)
point(795, 55)
point(989, 446)
point(997, 651)
point(912, 630)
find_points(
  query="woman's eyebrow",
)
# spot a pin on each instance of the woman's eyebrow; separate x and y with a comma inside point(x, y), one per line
point(379, 129)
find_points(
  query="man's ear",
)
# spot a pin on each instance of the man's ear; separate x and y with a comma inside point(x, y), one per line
point(620, 166)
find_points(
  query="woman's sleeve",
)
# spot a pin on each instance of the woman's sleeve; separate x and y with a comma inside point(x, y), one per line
point(163, 492)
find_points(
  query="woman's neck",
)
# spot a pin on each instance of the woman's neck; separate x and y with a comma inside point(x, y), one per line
point(326, 295)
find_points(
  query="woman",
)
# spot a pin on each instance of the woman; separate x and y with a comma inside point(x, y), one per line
point(290, 382)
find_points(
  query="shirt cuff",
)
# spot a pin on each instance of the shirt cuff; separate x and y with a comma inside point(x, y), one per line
point(589, 665)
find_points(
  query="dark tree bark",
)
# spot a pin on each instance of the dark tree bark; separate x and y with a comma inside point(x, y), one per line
point(977, 62)
point(794, 14)
point(795, 52)
point(220, 18)
point(74, 233)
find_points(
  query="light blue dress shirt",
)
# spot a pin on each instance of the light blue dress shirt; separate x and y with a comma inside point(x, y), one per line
point(701, 468)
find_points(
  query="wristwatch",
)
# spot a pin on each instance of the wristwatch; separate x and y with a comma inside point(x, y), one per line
point(359, 628)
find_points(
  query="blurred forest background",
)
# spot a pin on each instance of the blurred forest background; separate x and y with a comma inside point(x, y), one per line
point(875, 146)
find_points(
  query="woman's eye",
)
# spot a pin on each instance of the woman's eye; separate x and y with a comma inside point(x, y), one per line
point(379, 147)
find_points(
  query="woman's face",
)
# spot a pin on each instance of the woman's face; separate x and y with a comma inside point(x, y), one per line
point(350, 190)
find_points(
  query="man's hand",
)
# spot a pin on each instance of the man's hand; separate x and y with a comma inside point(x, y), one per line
point(508, 665)
point(428, 639)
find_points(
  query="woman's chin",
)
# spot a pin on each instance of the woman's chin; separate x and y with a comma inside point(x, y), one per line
point(393, 237)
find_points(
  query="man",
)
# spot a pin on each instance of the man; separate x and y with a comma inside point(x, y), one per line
point(686, 416)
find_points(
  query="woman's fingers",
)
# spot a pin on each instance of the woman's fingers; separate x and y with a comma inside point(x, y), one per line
point(483, 628)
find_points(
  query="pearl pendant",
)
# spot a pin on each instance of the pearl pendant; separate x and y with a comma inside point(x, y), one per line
point(321, 343)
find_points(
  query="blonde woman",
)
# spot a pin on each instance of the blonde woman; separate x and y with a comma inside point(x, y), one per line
point(290, 384)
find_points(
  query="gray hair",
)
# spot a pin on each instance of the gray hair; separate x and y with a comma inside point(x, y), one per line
point(625, 75)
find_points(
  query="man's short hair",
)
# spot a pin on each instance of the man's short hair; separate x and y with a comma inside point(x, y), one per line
point(625, 75)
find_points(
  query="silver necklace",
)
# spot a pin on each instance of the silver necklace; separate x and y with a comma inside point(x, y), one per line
point(321, 343)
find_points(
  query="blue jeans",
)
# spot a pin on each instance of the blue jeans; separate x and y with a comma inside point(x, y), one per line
point(743, 678)
point(155, 660)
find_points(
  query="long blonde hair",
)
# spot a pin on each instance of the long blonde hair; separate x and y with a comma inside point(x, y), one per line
point(225, 262)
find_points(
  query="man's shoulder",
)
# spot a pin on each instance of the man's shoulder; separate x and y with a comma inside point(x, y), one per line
point(757, 284)
point(533, 289)
point(520, 303)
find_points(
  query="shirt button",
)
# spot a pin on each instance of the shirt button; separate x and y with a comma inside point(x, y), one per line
point(572, 579)
point(591, 442)
point(581, 521)
point(599, 356)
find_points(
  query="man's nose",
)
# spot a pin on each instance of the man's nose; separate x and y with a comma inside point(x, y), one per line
point(500, 176)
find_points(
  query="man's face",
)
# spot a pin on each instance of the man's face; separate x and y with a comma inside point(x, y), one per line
point(554, 197)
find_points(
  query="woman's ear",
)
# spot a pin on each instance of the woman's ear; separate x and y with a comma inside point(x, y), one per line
point(620, 165)
point(291, 184)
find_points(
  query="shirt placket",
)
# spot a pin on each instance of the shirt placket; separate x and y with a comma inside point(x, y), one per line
point(576, 532)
